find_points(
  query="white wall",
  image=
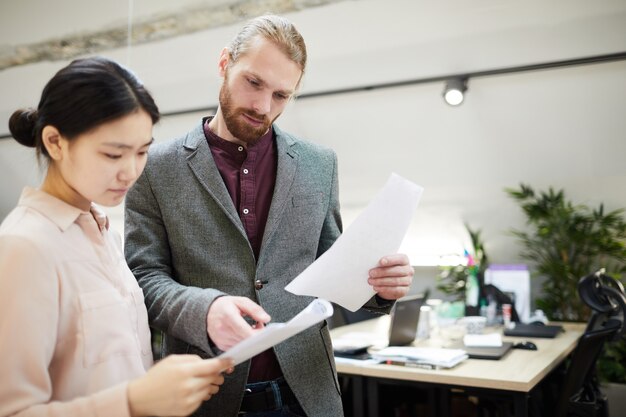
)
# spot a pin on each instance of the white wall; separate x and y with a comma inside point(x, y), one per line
point(562, 128)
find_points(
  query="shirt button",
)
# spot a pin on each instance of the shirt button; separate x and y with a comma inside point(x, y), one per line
point(258, 284)
point(245, 171)
point(240, 148)
point(246, 211)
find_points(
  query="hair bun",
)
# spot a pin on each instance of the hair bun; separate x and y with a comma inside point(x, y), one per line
point(22, 126)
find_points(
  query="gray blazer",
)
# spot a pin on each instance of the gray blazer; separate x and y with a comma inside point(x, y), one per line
point(186, 245)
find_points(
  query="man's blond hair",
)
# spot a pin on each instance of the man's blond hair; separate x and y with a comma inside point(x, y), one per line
point(278, 30)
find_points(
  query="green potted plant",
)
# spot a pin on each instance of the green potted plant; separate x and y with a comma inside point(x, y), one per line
point(564, 242)
point(452, 280)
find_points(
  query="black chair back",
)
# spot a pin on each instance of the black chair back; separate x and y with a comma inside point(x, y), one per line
point(580, 393)
point(490, 290)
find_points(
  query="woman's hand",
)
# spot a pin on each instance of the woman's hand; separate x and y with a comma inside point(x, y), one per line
point(176, 386)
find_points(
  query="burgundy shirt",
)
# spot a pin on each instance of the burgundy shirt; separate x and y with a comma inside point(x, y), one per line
point(249, 175)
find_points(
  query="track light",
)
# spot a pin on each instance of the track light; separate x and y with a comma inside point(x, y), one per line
point(454, 91)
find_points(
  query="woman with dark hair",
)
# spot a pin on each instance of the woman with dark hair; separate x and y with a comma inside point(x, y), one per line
point(74, 335)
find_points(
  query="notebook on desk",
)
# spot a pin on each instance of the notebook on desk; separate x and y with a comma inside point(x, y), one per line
point(404, 318)
point(533, 330)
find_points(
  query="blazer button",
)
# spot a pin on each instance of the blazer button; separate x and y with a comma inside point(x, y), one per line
point(258, 284)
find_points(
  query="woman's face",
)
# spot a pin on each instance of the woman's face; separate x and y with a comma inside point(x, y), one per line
point(102, 164)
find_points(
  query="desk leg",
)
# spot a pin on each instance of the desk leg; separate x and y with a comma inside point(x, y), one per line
point(357, 396)
point(444, 402)
point(372, 397)
point(520, 404)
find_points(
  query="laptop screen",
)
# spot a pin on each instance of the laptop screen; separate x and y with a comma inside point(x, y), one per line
point(404, 318)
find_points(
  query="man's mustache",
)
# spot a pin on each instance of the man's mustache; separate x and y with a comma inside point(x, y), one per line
point(260, 117)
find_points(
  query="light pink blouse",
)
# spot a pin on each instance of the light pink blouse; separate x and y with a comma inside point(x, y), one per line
point(73, 324)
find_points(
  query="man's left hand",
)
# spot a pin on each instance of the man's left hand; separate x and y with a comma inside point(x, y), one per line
point(392, 277)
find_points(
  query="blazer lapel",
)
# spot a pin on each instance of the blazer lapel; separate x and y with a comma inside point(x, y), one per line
point(200, 160)
point(285, 174)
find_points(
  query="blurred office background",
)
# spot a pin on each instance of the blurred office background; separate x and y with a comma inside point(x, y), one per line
point(373, 92)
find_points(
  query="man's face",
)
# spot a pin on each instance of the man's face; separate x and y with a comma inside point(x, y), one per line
point(256, 89)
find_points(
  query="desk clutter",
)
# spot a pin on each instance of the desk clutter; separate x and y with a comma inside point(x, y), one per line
point(446, 344)
point(551, 374)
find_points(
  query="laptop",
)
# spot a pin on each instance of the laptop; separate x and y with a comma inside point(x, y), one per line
point(533, 330)
point(405, 315)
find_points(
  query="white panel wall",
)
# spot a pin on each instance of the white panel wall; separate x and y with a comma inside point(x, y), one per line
point(562, 128)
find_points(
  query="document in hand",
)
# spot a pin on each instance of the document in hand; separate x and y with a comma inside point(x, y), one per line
point(274, 333)
point(340, 274)
point(439, 357)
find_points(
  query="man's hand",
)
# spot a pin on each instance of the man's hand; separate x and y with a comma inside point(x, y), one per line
point(225, 320)
point(392, 277)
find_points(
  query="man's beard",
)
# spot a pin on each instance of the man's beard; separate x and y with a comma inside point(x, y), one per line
point(235, 123)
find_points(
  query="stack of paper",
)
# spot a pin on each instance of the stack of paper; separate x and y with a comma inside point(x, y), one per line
point(440, 357)
point(483, 340)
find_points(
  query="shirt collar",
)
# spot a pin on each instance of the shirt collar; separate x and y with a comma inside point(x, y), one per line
point(59, 212)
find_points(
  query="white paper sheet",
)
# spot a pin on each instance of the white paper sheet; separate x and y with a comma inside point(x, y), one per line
point(483, 340)
point(275, 333)
point(340, 274)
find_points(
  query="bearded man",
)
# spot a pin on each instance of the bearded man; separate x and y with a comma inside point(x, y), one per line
point(223, 218)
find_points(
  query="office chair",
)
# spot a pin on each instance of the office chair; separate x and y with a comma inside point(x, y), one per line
point(580, 393)
point(491, 291)
point(342, 316)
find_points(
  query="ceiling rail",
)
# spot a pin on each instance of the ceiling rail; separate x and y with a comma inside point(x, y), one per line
point(595, 59)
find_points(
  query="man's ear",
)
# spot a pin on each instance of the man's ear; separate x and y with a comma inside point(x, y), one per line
point(53, 142)
point(223, 62)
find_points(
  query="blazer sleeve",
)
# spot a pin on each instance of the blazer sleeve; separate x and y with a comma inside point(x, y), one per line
point(29, 316)
point(332, 226)
point(174, 308)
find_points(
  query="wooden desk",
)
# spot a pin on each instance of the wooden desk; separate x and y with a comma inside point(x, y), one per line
point(515, 375)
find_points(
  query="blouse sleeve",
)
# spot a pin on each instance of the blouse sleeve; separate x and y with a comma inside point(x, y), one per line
point(29, 315)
